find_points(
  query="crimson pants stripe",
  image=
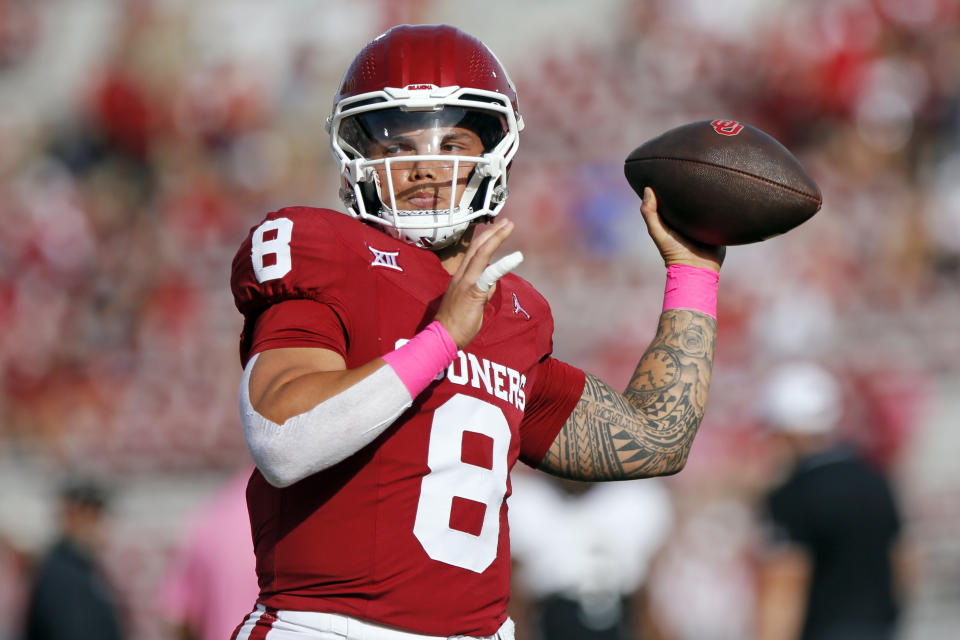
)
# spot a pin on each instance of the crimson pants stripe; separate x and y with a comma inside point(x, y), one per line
point(264, 622)
point(240, 632)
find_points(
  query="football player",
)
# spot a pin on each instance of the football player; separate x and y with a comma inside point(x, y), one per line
point(392, 376)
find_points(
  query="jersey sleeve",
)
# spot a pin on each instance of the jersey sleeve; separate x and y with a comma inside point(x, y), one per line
point(296, 253)
point(299, 323)
point(556, 390)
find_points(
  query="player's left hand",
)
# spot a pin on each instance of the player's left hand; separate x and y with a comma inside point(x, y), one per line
point(674, 247)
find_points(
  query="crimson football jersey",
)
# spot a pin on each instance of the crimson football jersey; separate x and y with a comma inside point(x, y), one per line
point(411, 531)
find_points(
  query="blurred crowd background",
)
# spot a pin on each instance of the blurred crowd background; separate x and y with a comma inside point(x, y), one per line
point(141, 139)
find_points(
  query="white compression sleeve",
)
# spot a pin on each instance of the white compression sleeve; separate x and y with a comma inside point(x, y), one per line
point(332, 431)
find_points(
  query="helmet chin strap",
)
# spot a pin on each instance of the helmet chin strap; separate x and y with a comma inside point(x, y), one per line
point(433, 238)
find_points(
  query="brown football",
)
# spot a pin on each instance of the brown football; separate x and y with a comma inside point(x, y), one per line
point(723, 182)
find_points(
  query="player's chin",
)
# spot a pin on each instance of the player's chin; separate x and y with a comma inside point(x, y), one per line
point(433, 203)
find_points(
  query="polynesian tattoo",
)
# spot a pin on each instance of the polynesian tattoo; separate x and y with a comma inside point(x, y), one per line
point(649, 428)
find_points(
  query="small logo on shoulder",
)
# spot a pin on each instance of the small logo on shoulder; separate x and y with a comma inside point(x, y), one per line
point(727, 127)
point(385, 259)
point(517, 309)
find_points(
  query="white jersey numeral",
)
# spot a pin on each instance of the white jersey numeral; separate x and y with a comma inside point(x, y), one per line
point(450, 477)
point(270, 249)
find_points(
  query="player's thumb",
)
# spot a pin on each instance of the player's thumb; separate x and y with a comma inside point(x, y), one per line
point(648, 209)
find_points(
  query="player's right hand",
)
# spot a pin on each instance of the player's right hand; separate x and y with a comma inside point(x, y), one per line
point(675, 248)
point(461, 310)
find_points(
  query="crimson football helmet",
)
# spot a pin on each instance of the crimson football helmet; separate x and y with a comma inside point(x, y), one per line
point(424, 78)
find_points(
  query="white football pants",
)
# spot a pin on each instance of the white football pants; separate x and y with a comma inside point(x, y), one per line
point(309, 625)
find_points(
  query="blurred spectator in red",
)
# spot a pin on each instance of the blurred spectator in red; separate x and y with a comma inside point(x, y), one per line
point(212, 582)
point(832, 568)
point(19, 31)
point(70, 597)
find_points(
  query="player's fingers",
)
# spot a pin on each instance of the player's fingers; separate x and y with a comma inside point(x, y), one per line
point(498, 269)
point(488, 245)
point(477, 243)
point(673, 246)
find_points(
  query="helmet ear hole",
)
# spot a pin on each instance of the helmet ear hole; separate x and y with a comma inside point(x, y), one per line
point(371, 200)
point(477, 203)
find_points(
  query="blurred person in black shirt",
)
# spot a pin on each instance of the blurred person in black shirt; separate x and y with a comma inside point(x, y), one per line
point(70, 597)
point(830, 567)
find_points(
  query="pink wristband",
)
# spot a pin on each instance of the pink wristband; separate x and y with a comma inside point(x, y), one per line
point(691, 288)
point(419, 361)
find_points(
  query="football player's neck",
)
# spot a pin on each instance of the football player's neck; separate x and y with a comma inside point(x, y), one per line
point(452, 257)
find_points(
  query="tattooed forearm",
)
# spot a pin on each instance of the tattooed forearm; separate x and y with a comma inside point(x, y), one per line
point(649, 429)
